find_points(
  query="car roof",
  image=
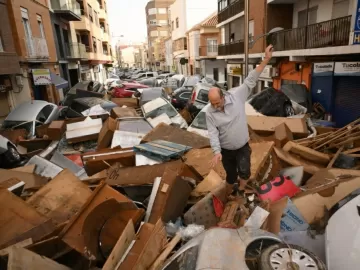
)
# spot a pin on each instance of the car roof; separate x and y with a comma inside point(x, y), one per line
point(154, 104)
point(27, 111)
point(151, 93)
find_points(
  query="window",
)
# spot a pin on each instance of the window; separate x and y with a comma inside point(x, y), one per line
point(152, 22)
point(311, 19)
point(96, 18)
point(212, 45)
point(172, 26)
point(340, 8)
point(177, 22)
point(1, 44)
point(41, 26)
point(27, 28)
point(152, 11)
point(222, 4)
point(154, 33)
point(150, 75)
point(105, 7)
point(203, 96)
point(94, 44)
point(185, 95)
point(45, 113)
point(162, 11)
point(90, 13)
point(251, 29)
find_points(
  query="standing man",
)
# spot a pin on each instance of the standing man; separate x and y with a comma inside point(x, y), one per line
point(228, 129)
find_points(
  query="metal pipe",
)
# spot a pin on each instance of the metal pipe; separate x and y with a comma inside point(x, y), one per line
point(246, 44)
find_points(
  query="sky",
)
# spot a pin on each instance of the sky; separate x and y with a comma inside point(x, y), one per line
point(127, 18)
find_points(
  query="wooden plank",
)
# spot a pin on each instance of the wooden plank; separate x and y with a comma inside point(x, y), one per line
point(61, 198)
point(124, 241)
point(307, 153)
point(176, 135)
point(31, 180)
point(351, 135)
point(350, 151)
point(266, 124)
point(260, 153)
point(169, 248)
point(336, 138)
point(19, 221)
point(23, 259)
point(346, 141)
point(25, 169)
point(287, 157)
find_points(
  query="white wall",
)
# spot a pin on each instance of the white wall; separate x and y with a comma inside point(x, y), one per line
point(194, 43)
point(178, 10)
point(169, 53)
point(209, 66)
point(128, 56)
point(324, 12)
point(23, 94)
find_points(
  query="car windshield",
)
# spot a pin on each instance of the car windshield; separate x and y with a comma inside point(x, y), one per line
point(135, 125)
point(167, 109)
point(29, 126)
point(191, 81)
point(200, 121)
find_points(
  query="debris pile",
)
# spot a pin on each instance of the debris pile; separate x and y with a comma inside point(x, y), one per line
point(98, 194)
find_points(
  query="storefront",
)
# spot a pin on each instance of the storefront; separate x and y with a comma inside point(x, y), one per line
point(293, 73)
point(85, 72)
point(336, 86)
point(235, 75)
point(265, 79)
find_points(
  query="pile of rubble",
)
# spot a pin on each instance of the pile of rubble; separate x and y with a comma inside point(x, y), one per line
point(93, 196)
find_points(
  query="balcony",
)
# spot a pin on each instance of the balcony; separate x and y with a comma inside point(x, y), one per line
point(208, 51)
point(36, 49)
point(102, 14)
point(236, 47)
point(76, 51)
point(83, 25)
point(325, 34)
point(230, 11)
point(69, 10)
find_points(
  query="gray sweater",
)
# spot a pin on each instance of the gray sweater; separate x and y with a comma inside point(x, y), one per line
point(228, 129)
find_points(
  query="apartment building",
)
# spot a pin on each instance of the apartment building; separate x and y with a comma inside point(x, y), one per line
point(169, 60)
point(9, 65)
point(93, 31)
point(62, 12)
point(34, 43)
point(317, 48)
point(184, 14)
point(203, 40)
point(158, 29)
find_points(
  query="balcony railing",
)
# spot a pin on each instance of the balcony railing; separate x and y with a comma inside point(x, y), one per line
point(208, 51)
point(230, 11)
point(325, 34)
point(36, 48)
point(67, 8)
point(236, 47)
point(75, 51)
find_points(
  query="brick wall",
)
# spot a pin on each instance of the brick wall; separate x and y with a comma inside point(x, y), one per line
point(38, 7)
point(257, 11)
point(9, 61)
point(204, 37)
point(279, 16)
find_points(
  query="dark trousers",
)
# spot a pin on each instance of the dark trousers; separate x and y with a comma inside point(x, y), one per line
point(237, 163)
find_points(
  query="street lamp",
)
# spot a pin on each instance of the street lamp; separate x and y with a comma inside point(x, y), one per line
point(276, 29)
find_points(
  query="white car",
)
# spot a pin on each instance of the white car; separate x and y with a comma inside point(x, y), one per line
point(160, 110)
point(144, 75)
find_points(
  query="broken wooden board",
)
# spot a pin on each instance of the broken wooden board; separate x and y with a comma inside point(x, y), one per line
point(176, 135)
point(171, 198)
point(307, 153)
point(265, 125)
point(128, 102)
point(23, 259)
point(74, 234)
point(211, 181)
point(259, 155)
point(141, 175)
point(123, 243)
point(283, 134)
point(25, 169)
point(52, 248)
point(149, 244)
point(86, 130)
point(61, 198)
point(309, 167)
point(19, 221)
point(31, 180)
point(119, 112)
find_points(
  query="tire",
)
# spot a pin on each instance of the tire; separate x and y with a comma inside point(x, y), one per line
point(12, 155)
point(276, 257)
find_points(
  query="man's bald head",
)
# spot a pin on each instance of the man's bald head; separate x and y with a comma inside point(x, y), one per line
point(216, 98)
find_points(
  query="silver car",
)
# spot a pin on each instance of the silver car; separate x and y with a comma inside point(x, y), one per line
point(31, 114)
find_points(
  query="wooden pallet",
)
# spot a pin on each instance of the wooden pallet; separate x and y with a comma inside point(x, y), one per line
point(162, 150)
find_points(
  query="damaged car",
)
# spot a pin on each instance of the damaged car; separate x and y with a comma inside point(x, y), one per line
point(9, 155)
point(161, 107)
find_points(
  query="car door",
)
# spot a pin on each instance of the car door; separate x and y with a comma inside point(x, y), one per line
point(183, 97)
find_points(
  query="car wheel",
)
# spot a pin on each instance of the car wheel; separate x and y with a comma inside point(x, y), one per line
point(277, 257)
point(12, 155)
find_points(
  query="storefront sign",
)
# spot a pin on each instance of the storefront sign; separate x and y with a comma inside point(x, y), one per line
point(41, 76)
point(323, 69)
point(357, 25)
point(266, 74)
point(347, 69)
point(5, 84)
point(84, 68)
point(235, 69)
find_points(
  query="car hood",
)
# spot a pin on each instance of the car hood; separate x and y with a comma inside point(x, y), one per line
point(179, 120)
point(202, 132)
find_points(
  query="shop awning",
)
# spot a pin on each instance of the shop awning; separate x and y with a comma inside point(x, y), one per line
point(58, 81)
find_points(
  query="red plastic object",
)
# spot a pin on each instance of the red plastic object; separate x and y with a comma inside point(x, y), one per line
point(280, 187)
point(76, 159)
point(218, 206)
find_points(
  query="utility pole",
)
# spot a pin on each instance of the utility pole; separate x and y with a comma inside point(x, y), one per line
point(246, 42)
